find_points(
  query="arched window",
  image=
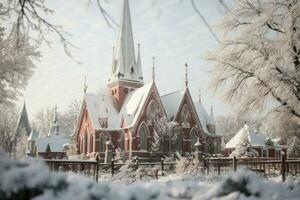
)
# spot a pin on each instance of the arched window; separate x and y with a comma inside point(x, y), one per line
point(193, 137)
point(85, 143)
point(91, 144)
point(143, 133)
point(151, 112)
point(178, 143)
point(102, 143)
point(122, 141)
point(185, 116)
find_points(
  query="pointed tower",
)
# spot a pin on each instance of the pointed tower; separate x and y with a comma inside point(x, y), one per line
point(126, 74)
point(23, 123)
point(211, 126)
point(55, 127)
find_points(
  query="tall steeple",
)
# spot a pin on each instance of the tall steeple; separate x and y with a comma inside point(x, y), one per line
point(125, 69)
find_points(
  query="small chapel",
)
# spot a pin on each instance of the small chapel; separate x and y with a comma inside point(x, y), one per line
point(125, 118)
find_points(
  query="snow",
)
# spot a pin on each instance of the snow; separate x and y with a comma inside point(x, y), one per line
point(203, 116)
point(56, 143)
point(125, 67)
point(104, 106)
point(33, 178)
point(171, 102)
point(256, 139)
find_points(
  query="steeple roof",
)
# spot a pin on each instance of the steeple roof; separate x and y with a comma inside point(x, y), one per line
point(125, 68)
point(23, 122)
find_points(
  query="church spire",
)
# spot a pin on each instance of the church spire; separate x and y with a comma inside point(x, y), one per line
point(125, 69)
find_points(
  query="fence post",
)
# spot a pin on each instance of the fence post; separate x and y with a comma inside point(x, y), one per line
point(97, 168)
point(234, 163)
point(283, 166)
point(218, 165)
point(207, 165)
point(162, 164)
point(137, 162)
point(112, 167)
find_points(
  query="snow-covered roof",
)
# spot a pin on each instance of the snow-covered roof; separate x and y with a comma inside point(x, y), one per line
point(103, 106)
point(134, 103)
point(255, 138)
point(171, 102)
point(203, 116)
point(55, 142)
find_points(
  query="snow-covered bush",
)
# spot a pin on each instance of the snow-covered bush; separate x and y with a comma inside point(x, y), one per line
point(186, 167)
point(245, 184)
point(129, 173)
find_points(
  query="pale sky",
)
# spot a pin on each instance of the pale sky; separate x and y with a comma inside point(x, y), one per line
point(170, 30)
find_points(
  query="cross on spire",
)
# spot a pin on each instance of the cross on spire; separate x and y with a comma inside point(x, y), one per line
point(153, 68)
point(186, 75)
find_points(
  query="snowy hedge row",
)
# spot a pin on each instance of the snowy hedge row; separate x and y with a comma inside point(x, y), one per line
point(32, 180)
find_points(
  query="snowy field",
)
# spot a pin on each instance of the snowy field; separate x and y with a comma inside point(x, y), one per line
point(33, 180)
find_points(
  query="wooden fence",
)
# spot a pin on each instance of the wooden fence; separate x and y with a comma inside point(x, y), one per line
point(212, 166)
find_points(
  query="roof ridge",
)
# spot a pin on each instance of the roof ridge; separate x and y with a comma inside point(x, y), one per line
point(182, 90)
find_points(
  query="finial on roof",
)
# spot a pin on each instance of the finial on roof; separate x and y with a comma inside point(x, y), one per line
point(85, 85)
point(212, 116)
point(153, 68)
point(199, 95)
point(186, 75)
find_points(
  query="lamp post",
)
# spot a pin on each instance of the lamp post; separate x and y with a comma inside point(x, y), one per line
point(197, 152)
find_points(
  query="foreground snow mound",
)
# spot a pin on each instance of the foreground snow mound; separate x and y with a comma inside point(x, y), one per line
point(32, 180)
point(245, 184)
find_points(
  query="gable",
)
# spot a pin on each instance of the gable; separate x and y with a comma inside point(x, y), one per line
point(152, 95)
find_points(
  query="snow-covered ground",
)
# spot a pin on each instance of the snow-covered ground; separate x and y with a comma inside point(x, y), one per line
point(33, 180)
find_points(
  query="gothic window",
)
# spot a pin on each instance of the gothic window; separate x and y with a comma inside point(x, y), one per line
point(178, 143)
point(85, 143)
point(143, 133)
point(193, 137)
point(151, 112)
point(102, 143)
point(91, 143)
point(122, 141)
point(185, 116)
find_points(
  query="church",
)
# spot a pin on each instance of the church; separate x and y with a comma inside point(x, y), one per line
point(127, 115)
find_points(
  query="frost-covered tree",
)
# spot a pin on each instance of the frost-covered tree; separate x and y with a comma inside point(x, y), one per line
point(293, 147)
point(244, 149)
point(8, 121)
point(258, 62)
point(67, 120)
point(16, 65)
point(230, 124)
point(165, 131)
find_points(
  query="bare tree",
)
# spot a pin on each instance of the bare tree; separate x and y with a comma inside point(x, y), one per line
point(258, 62)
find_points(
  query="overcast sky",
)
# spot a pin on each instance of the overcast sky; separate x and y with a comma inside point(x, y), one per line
point(170, 30)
